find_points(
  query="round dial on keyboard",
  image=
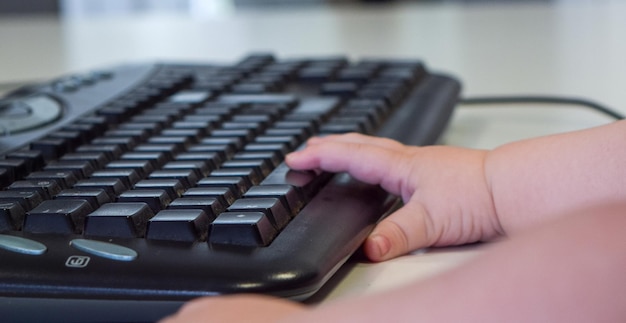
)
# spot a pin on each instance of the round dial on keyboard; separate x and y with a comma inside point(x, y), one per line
point(18, 115)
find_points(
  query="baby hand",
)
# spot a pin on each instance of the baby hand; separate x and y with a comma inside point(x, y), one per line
point(447, 200)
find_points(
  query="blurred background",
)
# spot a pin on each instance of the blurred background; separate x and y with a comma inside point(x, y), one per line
point(194, 7)
point(495, 47)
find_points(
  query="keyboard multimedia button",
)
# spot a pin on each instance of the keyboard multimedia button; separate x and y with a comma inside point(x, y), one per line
point(21, 245)
point(28, 113)
point(104, 249)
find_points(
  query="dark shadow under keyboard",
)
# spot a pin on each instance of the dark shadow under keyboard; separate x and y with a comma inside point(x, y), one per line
point(142, 186)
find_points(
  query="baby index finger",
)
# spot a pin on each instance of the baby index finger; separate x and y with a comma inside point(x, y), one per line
point(369, 163)
point(358, 138)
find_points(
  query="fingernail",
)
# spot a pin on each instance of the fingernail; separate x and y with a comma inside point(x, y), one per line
point(383, 244)
point(291, 155)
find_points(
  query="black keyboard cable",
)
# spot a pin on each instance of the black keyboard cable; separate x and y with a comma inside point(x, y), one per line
point(538, 99)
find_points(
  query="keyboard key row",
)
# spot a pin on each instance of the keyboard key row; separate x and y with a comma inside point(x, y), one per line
point(189, 219)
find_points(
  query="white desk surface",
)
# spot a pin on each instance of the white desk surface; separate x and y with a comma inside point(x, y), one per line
point(572, 48)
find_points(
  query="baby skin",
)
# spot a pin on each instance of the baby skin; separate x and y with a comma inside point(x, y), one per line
point(556, 206)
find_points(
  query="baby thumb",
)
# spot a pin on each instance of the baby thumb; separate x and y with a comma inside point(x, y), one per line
point(403, 231)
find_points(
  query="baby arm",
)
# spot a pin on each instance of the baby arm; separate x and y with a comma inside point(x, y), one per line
point(568, 270)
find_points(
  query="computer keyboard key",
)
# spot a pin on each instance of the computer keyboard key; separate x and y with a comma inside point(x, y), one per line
point(134, 134)
point(150, 128)
point(162, 120)
point(142, 167)
point(128, 176)
point(224, 194)
point(192, 134)
point(248, 173)
point(200, 167)
point(114, 114)
point(17, 166)
point(156, 159)
point(219, 109)
point(47, 189)
point(199, 121)
point(341, 127)
point(94, 196)
point(187, 177)
point(50, 148)
point(11, 216)
point(270, 206)
point(72, 138)
point(65, 178)
point(96, 159)
point(121, 220)
point(259, 99)
point(180, 142)
point(343, 88)
point(97, 123)
point(28, 199)
point(169, 150)
point(6, 176)
point(178, 225)
point(274, 111)
point(124, 143)
point(306, 183)
point(321, 107)
point(173, 187)
point(237, 184)
point(80, 168)
point(186, 99)
point(280, 148)
point(211, 159)
point(291, 142)
point(234, 143)
point(113, 186)
point(271, 158)
point(242, 134)
point(305, 124)
point(249, 229)
point(33, 158)
point(57, 216)
point(87, 131)
point(156, 199)
point(210, 205)
point(285, 193)
point(260, 166)
point(111, 151)
point(196, 129)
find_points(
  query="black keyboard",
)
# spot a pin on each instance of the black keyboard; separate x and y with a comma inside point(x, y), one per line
point(129, 190)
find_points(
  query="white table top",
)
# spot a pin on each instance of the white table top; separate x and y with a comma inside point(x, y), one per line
point(563, 49)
